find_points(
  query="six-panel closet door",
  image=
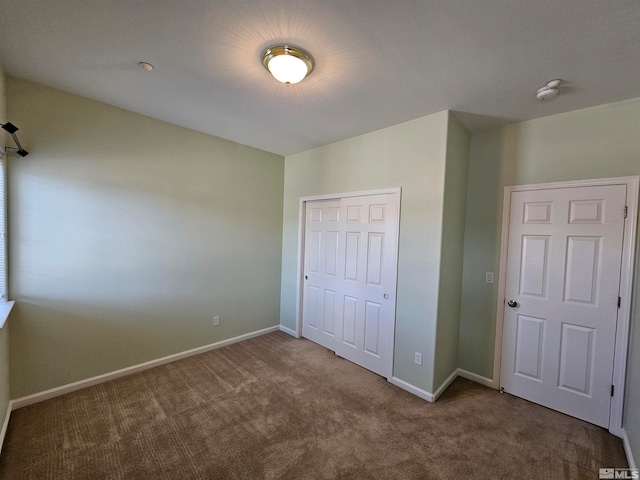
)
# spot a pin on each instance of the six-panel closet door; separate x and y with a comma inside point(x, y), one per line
point(350, 270)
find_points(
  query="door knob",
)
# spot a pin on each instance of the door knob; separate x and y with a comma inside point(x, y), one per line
point(386, 296)
point(512, 303)
point(306, 277)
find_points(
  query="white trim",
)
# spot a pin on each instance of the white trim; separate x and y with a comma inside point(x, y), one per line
point(627, 450)
point(502, 285)
point(397, 191)
point(432, 397)
point(624, 312)
point(288, 331)
point(474, 377)
point(445, 385)
point(300, 268)
point(88, 382)
point(363, 193)
point(626, 283)
point(418, 392)
point(5, 424)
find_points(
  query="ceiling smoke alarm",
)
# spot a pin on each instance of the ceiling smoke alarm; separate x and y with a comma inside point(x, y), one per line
point(146, 65)
point(550, 90)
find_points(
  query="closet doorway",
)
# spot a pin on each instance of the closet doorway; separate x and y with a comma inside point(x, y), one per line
point(349, 260)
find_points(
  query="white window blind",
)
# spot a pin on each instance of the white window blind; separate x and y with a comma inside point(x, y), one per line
point(3, 229)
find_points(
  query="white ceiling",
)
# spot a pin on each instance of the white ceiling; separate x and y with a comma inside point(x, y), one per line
point(378, 62)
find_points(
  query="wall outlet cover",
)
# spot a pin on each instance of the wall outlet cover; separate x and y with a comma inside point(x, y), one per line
point(418, 358)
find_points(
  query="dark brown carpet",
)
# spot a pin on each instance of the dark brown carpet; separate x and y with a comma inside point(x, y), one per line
point(279, 408)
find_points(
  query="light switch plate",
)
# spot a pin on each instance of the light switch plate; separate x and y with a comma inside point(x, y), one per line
point(488, 277)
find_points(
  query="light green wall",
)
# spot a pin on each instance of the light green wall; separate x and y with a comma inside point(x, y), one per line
point(597, 142)
point(481, 253)
point(410, 155)
point(128, 235)
point(450, 289)
point(4, 332)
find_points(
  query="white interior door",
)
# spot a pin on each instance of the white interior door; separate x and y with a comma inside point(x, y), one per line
point(367, 248)
point(350, 271)
point(321, 271)
point(562, 287)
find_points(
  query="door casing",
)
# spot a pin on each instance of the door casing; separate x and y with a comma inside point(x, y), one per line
point(626, 279)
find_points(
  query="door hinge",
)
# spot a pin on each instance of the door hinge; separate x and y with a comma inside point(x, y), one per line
point(626, 211)
point(612, 388)
point(619, 301)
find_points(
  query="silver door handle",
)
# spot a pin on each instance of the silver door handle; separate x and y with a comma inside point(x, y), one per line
point(512, 303)
point(386, 296)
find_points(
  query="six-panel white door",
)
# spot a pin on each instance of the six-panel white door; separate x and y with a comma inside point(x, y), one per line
point(350, 274)
point(561, 307)
point(321, 272)
point(367, 248)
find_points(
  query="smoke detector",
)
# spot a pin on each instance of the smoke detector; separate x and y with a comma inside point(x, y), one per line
point(146, 65)
point(549, 91)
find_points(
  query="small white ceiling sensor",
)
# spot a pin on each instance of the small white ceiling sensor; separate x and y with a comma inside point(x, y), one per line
point(147, 66)
point(550, 90)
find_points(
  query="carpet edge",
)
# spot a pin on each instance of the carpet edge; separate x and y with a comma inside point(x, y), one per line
point(123, 372)
point(474, 377)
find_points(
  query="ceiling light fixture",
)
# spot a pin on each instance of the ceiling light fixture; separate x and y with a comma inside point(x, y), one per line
point(287, 64)
point(550, 90)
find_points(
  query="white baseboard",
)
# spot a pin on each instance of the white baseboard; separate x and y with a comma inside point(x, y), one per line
point(445, 384)
point(288, 331)
point(72, 387)
point(487, 382)
point(428, 396)
point(432, 397)
point(627, 450)
point(5, 425)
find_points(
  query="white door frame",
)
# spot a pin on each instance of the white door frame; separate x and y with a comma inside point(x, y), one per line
point(397, 191)
point(626, 279)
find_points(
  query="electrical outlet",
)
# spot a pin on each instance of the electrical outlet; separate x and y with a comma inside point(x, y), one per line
point(216, 320)
point(488, 277)
point(418, 358)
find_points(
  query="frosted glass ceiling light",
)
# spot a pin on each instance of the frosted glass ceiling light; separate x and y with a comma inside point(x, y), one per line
point(287, 64)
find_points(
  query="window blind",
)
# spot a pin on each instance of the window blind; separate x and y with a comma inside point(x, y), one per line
point(3, 229)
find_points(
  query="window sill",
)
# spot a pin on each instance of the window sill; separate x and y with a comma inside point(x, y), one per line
point(5, 310)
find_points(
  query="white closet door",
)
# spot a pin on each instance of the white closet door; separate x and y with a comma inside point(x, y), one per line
point(350, 269)
point(367, 291)
point(321, 272)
